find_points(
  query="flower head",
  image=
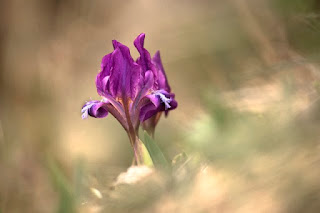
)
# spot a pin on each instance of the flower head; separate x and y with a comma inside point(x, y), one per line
point(132, 91)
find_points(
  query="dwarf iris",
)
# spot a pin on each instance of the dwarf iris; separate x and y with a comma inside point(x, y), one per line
point(133, 91)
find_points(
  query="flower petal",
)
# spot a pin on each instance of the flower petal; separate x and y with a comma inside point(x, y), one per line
point(173, 104)
point(125, 74)
point(162, 78)
point(102, 78)
point(147, 85)
point(156, 102)
point(95, 109)
point(145, 59)
point(149, 109)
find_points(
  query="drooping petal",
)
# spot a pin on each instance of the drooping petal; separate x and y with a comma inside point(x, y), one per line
point(156, 102)
point(125, 73)
point(173, 104)
point(150, 108)
point(95, 109)
point(162, 78)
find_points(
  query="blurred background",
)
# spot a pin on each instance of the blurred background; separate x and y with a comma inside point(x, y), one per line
point(246, 76)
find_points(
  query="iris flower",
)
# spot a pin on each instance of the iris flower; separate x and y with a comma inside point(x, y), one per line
point(132, 91)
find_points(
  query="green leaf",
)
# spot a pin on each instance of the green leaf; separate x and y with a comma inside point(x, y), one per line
point(158, 159)
point(146, 156)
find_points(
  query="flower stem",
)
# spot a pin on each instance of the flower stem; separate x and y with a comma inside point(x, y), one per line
point(134, 140)
point(137, 149)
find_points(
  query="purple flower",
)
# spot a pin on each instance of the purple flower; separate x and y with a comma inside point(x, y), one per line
point(132, 91)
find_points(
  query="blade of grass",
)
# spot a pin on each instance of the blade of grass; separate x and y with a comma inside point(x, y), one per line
point(158, 159)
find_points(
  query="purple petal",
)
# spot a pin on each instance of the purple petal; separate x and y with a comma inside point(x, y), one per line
point(148, 79)
point(145, 59)
point(125, 75)
point(158, 101)
point(162, 78)
point(102, 78)
point(106, 64)
point(148, 83)
point(150, 109)
point(95, 109)
point(173, 104)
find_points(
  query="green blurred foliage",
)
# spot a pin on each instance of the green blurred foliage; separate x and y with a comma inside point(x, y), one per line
point(302, 24)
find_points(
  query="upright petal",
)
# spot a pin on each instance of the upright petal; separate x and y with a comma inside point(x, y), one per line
point(125, 73)
point(106, 64)
point(95, 109)
point(162, 78)
point(145, 59)
point(102, 78)
point(148, 84)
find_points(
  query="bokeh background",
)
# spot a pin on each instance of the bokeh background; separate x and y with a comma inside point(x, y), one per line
point(246, 76)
